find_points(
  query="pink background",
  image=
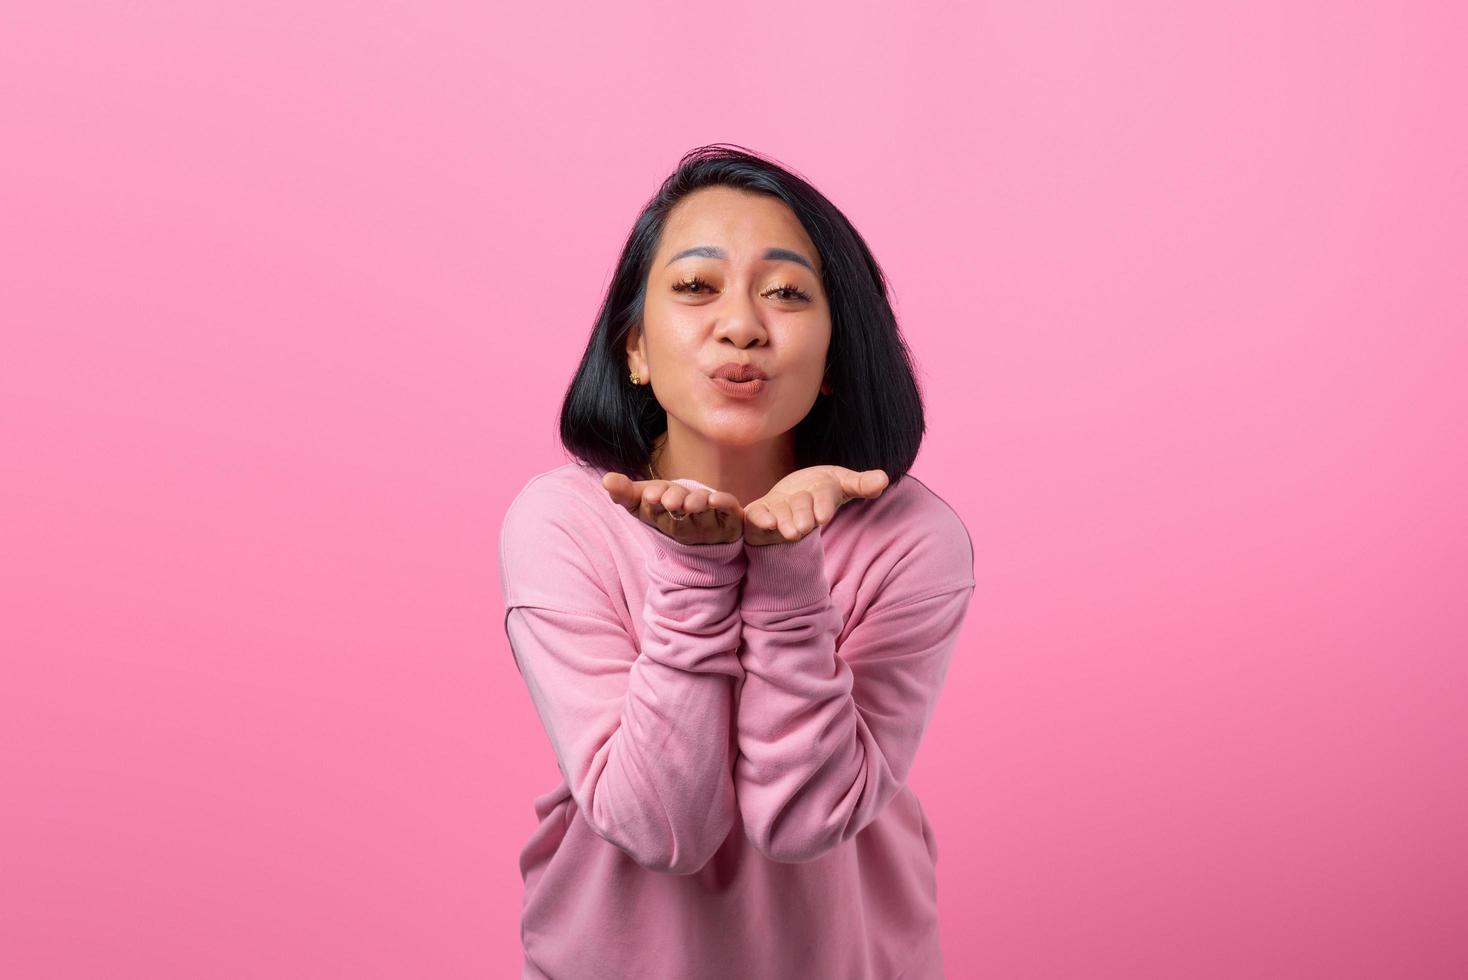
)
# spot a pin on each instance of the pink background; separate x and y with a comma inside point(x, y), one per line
point(290, 294)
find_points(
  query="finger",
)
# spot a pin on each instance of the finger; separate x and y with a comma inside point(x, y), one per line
point(620, 489)
point(874, 482)
point(802, 512)
point(789, 526)
point(781, 508)
point(701, 516)
point(727, 504)
point(673, 497)
point(760, 515)
point(723, 499)
point(827, 501)
point(718, 514)
point(696, 502)
point(652, 495)
point(867, 483)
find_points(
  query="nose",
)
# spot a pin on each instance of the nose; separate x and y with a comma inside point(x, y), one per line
point(740, 323)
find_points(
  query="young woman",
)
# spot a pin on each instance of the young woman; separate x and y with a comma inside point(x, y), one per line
point(734, 612)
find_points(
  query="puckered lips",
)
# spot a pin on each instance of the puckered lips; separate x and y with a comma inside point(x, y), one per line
point(738, 379)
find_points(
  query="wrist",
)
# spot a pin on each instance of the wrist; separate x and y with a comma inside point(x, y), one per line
point(786, 575)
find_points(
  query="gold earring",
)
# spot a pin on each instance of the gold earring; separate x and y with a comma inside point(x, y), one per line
point(635, 379)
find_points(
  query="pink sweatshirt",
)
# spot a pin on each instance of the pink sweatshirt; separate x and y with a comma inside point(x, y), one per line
point(734, 725)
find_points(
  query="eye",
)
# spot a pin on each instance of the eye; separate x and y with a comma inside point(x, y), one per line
point(689, 284)
point(795, 292)
point(696, 285)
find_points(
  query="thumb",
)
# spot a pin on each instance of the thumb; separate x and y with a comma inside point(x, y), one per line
point(875, 481)
point(867, 483)
point(619, 486)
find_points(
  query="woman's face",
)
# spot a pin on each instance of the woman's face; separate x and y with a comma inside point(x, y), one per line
point(729, 301)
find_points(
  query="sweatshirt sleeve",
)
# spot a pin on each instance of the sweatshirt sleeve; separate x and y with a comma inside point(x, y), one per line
point(640, 730)
point(827, 730)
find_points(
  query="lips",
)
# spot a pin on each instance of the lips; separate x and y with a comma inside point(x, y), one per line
point(739, 389)
point(735, 371)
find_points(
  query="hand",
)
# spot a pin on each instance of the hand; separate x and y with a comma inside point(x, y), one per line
point(804, 499)
point(686, 516)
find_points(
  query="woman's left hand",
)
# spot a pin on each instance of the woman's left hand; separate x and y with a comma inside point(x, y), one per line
point(805, 499)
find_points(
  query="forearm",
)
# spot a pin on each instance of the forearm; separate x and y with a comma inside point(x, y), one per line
point(826, 737)
point(667, 792)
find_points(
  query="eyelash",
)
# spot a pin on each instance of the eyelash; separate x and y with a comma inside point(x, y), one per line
point(686, 286)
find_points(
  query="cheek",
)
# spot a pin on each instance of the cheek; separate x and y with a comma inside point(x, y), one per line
point(674, 353)
point(813, 357)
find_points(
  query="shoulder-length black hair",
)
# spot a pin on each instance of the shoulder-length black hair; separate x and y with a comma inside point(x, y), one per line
point(873, 419)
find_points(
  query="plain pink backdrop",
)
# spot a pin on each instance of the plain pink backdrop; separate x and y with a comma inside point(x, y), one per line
point(290, 293)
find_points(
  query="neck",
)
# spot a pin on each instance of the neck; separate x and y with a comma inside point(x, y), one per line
point(748, 472)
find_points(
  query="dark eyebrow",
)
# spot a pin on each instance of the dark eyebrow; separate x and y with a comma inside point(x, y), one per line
point(714, 252)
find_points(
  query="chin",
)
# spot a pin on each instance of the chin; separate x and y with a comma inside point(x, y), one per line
point(740, 437)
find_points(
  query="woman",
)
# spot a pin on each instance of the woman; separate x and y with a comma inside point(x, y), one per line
point(735, 649)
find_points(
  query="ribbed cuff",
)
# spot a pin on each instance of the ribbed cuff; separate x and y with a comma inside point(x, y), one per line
point(697, 565)
point(788, 575)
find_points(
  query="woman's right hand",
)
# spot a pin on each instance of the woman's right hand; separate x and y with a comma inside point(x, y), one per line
point(706, 517)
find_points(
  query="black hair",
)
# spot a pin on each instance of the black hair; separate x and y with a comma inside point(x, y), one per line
point(873, 419)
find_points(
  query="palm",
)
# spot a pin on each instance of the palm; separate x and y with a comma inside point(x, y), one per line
point(802, 500)
point(685, 515)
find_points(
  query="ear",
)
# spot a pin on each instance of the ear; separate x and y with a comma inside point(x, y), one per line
point(636, 360)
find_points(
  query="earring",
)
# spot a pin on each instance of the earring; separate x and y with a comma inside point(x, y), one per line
point(635, 379)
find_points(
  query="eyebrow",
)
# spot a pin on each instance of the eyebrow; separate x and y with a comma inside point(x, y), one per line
point(714, 252)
